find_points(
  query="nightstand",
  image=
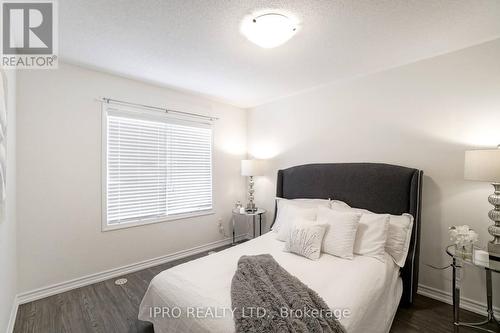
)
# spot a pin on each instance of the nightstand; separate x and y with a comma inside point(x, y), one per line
point(490, 264)
point(258, 212)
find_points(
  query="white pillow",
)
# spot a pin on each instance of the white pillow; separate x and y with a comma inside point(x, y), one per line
point(343, 207)
point(338, 204)
point(398, 238)
point(290, 213)
point(308, 203)
point(341, 232)
point(372, 235)
point(305, 238)
point(398, 234)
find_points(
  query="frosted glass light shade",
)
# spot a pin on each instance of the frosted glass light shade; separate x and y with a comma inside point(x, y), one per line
point(482, 165)
point(269, 30)
point(251, 168)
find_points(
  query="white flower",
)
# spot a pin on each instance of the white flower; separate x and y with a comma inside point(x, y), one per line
point(463, 234)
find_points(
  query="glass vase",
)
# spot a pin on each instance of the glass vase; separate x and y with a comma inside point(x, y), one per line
point(464, 250)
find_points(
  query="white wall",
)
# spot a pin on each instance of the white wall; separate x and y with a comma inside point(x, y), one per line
point(59, 176)
point(8, 263)
point(422, 115)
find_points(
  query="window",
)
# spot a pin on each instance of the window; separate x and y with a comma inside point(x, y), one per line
point(155, 167)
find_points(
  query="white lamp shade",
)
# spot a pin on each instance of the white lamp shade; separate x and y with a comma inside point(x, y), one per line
point(252, 168)
point(482, 165)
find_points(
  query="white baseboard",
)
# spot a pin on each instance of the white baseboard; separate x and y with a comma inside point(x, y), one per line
point(58, 288)
point(13, 314)
point(465, 303)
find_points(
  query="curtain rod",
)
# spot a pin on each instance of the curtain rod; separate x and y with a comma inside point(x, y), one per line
point(116, 101)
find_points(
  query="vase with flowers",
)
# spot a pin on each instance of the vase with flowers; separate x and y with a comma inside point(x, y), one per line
point(464, 238)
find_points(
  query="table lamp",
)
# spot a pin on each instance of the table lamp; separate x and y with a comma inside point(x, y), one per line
point(484, 165)
point(251, 168)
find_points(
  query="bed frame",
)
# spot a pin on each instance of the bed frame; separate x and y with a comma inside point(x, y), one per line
point(380, 188)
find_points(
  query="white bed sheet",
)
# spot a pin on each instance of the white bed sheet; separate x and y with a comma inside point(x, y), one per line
point(368, 288)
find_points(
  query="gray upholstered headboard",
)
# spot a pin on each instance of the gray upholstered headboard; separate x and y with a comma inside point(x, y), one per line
point(380, 188)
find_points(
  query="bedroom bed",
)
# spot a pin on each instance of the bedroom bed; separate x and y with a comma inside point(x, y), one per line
point(196, 296)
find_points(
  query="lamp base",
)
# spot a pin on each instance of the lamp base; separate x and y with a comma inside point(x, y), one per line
point(250, 208)
point(494, 249)
point(250, 205)
point(494, 215)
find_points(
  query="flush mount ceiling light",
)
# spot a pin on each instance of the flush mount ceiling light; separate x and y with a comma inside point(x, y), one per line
point(268, 30)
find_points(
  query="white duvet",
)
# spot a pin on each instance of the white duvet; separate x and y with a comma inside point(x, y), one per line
point(196, 297)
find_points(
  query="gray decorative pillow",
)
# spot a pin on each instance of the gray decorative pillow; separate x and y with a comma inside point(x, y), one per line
point(305, 239)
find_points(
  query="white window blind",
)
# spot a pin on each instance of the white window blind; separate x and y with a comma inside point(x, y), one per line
point(156, 168)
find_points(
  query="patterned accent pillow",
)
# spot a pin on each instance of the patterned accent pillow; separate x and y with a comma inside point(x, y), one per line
point(305, 238)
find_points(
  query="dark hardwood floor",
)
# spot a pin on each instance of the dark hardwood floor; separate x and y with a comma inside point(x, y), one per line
point(105, 308)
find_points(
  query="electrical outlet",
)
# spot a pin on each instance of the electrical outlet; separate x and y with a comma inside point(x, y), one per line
point(221, 227)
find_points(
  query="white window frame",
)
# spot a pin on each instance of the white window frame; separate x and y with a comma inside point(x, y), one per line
point(143, 114)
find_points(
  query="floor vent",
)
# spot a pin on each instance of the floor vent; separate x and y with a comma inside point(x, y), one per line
point(120, 282)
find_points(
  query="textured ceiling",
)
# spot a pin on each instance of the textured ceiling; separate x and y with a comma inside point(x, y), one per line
point(197, 46)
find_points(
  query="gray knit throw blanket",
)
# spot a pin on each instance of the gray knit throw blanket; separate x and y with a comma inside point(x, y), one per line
point(266, 298)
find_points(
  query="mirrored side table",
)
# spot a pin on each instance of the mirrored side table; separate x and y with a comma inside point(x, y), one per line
point(259, 212)
point(483, 260)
